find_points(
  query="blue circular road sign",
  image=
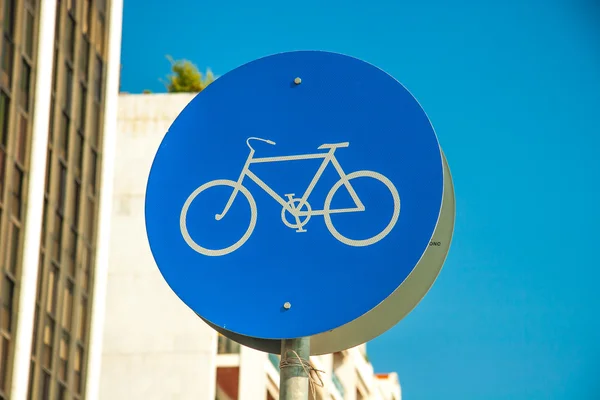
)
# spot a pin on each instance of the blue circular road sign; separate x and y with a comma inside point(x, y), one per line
point(294, 194)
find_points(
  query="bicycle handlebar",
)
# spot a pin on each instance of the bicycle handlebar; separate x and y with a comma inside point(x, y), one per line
point(260, 139)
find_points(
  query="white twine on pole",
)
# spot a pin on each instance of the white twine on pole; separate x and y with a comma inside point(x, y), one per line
point(313, 374)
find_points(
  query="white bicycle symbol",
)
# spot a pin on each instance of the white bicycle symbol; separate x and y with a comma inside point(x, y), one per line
point(299, 208)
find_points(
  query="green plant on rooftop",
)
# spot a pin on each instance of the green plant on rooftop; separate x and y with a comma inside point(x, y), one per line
point(186, 78)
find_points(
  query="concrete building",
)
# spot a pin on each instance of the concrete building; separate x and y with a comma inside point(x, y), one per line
point(59, 76)
point(154, 346)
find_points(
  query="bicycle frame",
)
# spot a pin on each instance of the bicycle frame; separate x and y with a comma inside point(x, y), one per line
point(328, 157)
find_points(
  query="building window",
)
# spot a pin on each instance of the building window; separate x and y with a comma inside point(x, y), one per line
point(7, 295)
point(76, 203)
point(8, 16)
point(82, 328)
point(40, 279)
point(63, 135)
point(7, 60)
point(29, 26)
point(82, 107)
point(100, 34)
point(67, 317)
point(86, 264)
point(14, 248)
point(2, 171)
point(87, 16)
point(48, 172)
point(45, 386)
point(48, 343)
point(94, 127)
point(78, 367)
point(69, 262)
point(4, 361)
point(57, 236)
point(70, 37)
point(17, 191)
point(98, 74)
point(25, 84)
point(68, 90)
point(63, 353)
point(55, 71)
point(22, 139)
point(44, 223)
point(51, 290)
point(93, 171)
point(4, 118)
point(57, 20)
point(62, 188)
point(84, 56)
point(51, 122)
point(90, 220)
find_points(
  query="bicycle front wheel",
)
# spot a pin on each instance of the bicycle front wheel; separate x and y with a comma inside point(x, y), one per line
point(229, 249)
point(376, 238)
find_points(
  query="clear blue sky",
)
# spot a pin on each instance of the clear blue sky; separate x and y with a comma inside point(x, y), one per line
point(513, 90)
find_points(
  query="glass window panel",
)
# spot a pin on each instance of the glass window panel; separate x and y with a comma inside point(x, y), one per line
point(45, 223)
point(45, 386)
point(14, 248)
point(51, 122)
point(29, 26)
point(58, 24)
point(22, 140)
point(87, 15)
point(48, 343)
point(90, 220)
point(72, 6)
point(7, 62)
point(4, 118)
point(62, 187)
point(68, 90)
point(7, 295)
point(81, 332)
point(100, 34)
point(93, 170)
point(8, 15)
point(63, 353)
point(63, 138)
point(78, 152)
point(55, 71)
point(48, 171)
point(86, 261)
point(40, 279)
point(34, 336)
point(67, 317)
point(78, 367)
point(62, 392)
point(52, 289)
point(93, 127)
point(70, 37)
point(4, 361)
point(57, 236)
point(98, 75)
point(25, 84)
point(76, 203)
point(84, 56)
point(2, 172)
point(31, 380)
point(82, 107)
point(17, 191)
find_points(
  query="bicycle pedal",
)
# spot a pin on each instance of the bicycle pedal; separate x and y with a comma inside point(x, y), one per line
point(301, 230)
point(290, 196)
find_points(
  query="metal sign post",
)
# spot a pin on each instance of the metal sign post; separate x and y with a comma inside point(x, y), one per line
point(294, 375)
